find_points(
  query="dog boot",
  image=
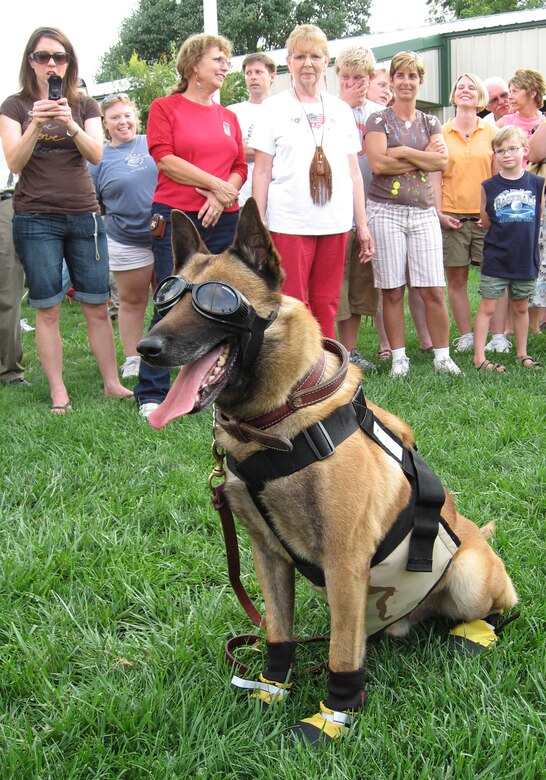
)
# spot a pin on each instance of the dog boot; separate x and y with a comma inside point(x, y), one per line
point(275, 682)
point(479, 635)
point(337, 712)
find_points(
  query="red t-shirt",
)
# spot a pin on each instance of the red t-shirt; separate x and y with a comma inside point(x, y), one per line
point(209, 137)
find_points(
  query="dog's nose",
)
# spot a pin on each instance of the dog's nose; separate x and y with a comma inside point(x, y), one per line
point(150, 346)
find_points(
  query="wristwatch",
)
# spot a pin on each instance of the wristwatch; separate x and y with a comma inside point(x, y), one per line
point(73, 135)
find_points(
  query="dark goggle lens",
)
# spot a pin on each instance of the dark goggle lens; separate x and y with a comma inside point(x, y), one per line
point(169, 291)
point(43, 57)
point(216, 298)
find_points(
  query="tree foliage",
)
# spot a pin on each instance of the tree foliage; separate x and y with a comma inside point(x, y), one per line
point(157, 28)
point(442, 10)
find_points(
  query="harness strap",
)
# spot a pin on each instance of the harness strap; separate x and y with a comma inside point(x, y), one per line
point(319, 442)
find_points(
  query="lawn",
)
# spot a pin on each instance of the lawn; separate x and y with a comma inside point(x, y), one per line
point(115, 603)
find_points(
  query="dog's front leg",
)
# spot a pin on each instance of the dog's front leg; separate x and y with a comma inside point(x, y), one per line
point(276, 578)
point(346, 587)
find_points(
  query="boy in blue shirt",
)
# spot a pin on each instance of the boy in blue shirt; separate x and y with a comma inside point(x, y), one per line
point(511, 210)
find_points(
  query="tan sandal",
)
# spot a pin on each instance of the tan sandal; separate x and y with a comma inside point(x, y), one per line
point(487, 365)
point(528, 362)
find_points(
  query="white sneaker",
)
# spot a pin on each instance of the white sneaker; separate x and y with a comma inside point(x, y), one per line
point(145, 410)
point(25, 327)
point(131, 367)
point(446, 366)
point(498, 344)
point(400, 366)
point(464, 343)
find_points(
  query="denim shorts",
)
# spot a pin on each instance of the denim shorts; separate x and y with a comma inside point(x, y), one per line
point(43, 240)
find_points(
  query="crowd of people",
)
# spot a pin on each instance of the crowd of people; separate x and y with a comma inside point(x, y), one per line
point(365, 197)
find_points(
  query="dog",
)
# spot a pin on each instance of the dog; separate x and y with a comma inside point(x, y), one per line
point(277, 385)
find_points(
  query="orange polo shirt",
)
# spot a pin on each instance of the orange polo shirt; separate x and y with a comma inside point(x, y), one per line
point(470, 161)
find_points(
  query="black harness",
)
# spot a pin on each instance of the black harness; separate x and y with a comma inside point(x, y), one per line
point(422, 514)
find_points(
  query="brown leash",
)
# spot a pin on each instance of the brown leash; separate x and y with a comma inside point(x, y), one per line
point(221, 504)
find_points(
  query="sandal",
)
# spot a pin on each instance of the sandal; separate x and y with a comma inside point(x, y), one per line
point(384, 354)
point(487, 365)
point(531, 364)
point(60, 409)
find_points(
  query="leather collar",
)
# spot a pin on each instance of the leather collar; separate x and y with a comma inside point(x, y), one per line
point(307, 391)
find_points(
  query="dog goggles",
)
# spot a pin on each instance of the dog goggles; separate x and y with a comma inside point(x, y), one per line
point(219, 302)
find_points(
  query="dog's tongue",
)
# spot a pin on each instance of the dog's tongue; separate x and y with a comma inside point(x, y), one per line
point(181, 397)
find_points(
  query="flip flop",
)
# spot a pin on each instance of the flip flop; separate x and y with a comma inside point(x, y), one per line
point(60, 409)
point(487, 365)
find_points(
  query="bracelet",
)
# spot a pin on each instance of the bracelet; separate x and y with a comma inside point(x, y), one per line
point(73, 135)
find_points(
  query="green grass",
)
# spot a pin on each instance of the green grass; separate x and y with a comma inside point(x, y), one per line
point(115, 603)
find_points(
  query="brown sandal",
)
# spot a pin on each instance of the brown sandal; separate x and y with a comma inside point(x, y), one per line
point(531, 364)
point(487, 365)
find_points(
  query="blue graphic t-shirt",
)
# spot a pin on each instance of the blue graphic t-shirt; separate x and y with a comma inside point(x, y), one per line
point(511, 243)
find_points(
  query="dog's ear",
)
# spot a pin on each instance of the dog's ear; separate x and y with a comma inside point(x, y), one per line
point(254, 246)
point(186, 240)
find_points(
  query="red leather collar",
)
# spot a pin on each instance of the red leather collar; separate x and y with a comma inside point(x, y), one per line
point(308, 391)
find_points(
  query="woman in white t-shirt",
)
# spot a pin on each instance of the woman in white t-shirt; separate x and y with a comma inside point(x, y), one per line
point(306, 179)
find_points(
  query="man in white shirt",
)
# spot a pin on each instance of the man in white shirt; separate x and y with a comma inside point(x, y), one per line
point(498, 105)
point(260, 72)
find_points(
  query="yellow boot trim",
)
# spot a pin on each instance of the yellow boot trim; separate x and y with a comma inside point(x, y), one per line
point(330, 722)
point(477, 631)
point(267, 691)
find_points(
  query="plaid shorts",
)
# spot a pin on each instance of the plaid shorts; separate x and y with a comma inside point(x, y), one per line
point(405, 237)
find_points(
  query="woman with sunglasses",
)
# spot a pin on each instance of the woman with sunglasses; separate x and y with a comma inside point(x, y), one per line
point(198, 148)
point(125, 180)
point(457, 196)
point(56, 213)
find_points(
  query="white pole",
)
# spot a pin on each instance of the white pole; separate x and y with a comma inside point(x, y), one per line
point(210, 17)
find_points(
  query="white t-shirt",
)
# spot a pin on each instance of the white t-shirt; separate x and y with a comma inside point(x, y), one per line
point(283, 131)
point(246, 114)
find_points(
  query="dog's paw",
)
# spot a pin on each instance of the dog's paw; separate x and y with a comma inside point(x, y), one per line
point(399, 629)
point(476, 636)
point(323, 727)
point(266, 691)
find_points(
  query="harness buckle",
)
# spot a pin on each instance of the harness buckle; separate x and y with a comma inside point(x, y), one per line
point(319, 441)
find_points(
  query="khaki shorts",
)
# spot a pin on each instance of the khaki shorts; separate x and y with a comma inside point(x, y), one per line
point(358, 293)
point(493, 287)
point(465, 245)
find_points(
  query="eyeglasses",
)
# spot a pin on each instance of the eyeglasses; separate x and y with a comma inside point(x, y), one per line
point(222, 61)
point(508, 150)
point(502, 96)
point(219, 302)
point(43, 57)
point(105, 102)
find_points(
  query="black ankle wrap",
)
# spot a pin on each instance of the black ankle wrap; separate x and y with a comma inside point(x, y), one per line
point(345, 690)
point(280, 660)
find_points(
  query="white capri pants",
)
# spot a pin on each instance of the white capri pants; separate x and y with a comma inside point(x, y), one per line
point(408, 245)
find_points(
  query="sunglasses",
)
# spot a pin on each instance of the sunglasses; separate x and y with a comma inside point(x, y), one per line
point(105, 102)
point(43, 57)
point(219, 302)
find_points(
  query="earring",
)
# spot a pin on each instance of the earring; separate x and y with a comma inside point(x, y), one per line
point(199, 85)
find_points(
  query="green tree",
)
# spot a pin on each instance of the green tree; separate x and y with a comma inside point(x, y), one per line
point(147, 82)
point(156, 28)
point(440, 10)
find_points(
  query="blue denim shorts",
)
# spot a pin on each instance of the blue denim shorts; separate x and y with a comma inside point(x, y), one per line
point(43, 240)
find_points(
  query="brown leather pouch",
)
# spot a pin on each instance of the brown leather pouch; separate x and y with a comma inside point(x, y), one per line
point(157, 226)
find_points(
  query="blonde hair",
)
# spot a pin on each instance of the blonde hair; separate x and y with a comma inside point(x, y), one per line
point(510, 131)
point(405, 60)
point(357, 59)
point(483, 96)
point(530, 81)
point(192, 50)
point(308, 33)
point(110, 101)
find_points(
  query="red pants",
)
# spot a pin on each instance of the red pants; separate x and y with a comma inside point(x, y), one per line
point(314, 273)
